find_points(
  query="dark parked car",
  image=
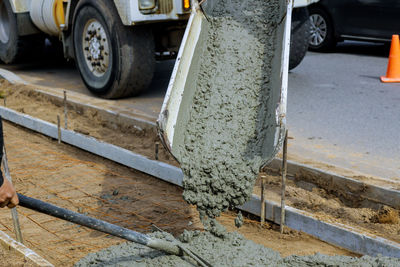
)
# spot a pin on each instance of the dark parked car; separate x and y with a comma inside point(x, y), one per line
point(338, 20)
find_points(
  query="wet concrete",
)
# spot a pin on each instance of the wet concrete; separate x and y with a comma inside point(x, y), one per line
point(230, 127)
point(232, 249)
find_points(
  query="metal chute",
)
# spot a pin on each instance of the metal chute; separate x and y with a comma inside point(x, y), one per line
point(178, 100)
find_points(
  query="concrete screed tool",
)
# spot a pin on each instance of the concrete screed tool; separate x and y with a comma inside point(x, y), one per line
point(170, 247)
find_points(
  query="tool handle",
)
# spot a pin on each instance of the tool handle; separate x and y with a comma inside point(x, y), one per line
point(71, 216)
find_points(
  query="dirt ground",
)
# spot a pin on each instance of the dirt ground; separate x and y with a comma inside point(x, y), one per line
point(290, 243)
point(11, 258)
point(73, 179)
point(82, 182)
point(327, 205)
point(330, 207)
point(25, 99)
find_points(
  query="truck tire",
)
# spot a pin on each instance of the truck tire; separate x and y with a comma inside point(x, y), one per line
point(12, 46)
point(114, 60)
point(300, 36)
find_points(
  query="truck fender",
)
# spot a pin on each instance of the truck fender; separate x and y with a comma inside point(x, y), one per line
point(24, 23)
point(123, 7)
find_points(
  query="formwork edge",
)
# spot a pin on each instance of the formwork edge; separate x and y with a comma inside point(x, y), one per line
point(29, 255)
point(369, 192)
point(333, 233)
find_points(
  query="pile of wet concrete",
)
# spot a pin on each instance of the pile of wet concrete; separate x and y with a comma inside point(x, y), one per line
point(229, 127)
point(231, 249)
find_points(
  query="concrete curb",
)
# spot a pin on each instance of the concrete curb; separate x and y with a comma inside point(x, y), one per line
point(329, 180)
point(11, 77)
point(117, 154)
point(333, 233)
point(29, 255)
point(111, 116)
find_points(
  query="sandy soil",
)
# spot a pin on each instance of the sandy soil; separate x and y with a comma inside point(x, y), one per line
point(327, 206)
point(82, 182)
point(333, 207)
point(269, 236)
point(25, 99)
point(79, 181)
point(10, 258)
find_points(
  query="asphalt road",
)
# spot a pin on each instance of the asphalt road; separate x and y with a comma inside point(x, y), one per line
point(338, 110)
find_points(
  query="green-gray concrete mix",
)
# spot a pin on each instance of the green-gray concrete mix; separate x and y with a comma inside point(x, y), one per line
point(232, 249)
point(229, 128)
point(225, 142)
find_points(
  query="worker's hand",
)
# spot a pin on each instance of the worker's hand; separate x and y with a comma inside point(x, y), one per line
point(8, 196)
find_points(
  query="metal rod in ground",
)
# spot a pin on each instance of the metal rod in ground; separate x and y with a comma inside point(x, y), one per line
point(65, 111)
point(14, 212)
point(157, 144)
point(262, 213)
point(59, 129)
point(283, 191)
point(5, 101)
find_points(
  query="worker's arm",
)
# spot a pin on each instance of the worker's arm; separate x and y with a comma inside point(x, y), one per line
point(8, 196)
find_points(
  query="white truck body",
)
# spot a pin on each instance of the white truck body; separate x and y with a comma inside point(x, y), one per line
point(44, 16)
point(127, 9)
point(156, 27)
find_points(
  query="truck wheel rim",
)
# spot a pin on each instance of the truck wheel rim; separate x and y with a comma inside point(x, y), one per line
point(318, 29)
point(4, 23)
point(95, 47)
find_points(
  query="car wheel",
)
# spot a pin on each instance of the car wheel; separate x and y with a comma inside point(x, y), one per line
point(300, 36)
point(322, 32)
point(114, 60)
point(12, 46)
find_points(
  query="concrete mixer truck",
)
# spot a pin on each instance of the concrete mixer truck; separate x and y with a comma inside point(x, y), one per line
point(114, 43)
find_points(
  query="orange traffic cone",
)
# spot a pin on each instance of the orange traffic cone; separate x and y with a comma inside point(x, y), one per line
point(393, 70)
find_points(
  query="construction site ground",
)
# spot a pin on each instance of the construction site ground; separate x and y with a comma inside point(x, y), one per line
point(83, 119)
point(338, 111)
point(82, 182)
point(11, 258)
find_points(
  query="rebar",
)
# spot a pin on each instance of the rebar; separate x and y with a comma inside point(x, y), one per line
point(283, 189)
point(14, 212)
